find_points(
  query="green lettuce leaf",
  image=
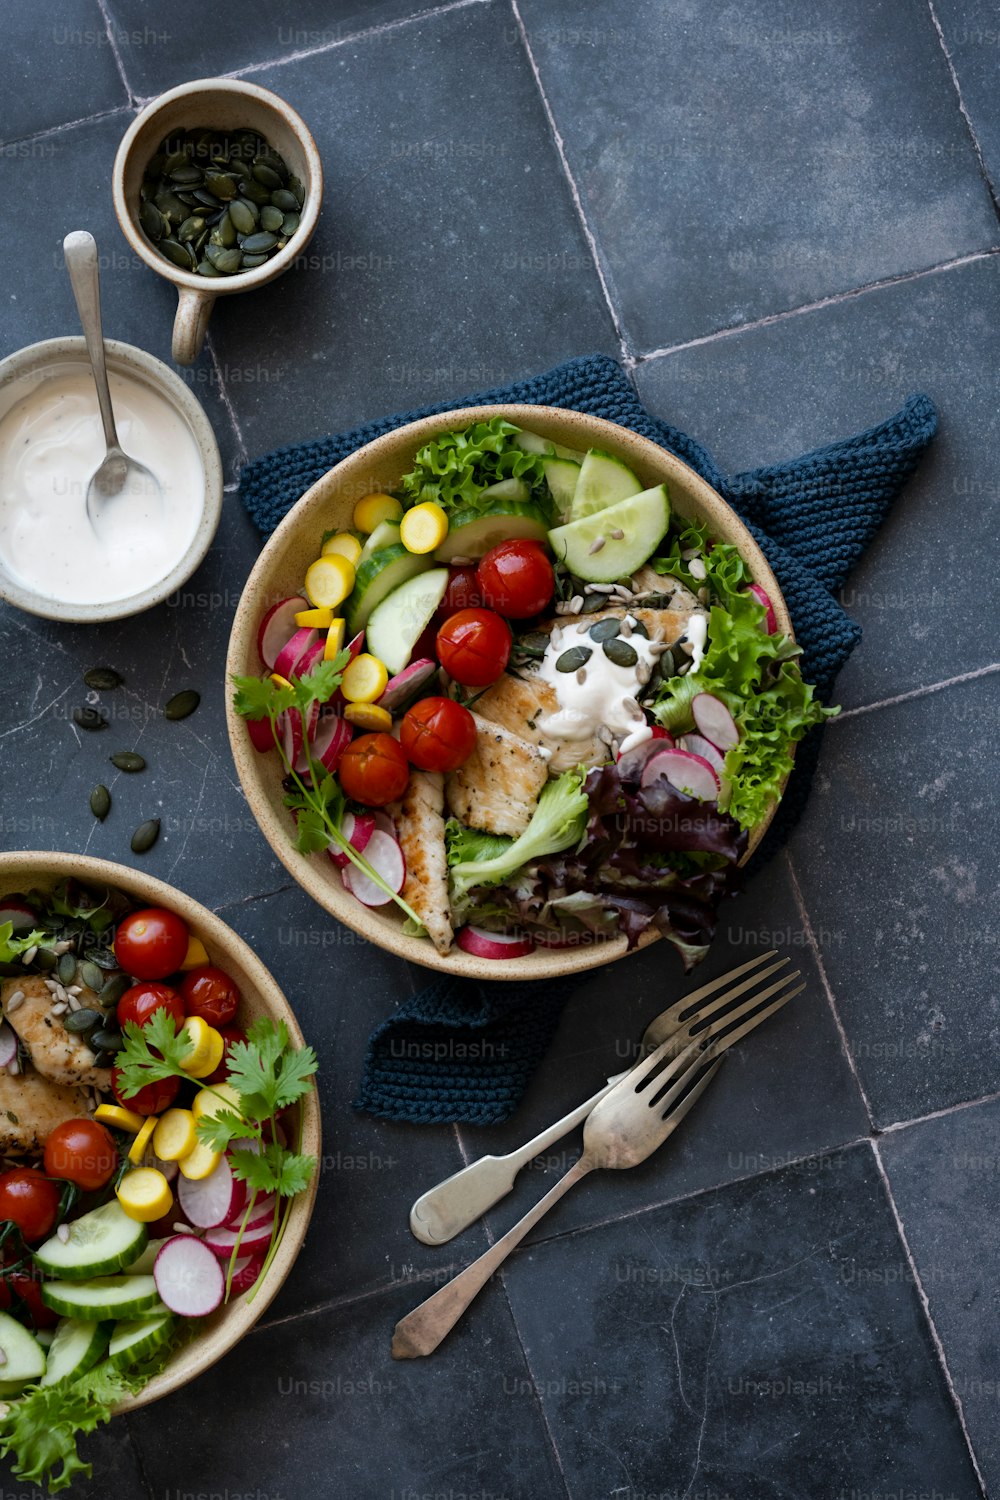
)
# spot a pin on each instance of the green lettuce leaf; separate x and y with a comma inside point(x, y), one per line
point(557, 823)
point(455, 467)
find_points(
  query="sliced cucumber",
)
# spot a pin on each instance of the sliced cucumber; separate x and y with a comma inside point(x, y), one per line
point(562, 476)
point(604, 480)
point(533, 442)
point(472, 534)
point(104, 1297)
point(144, 1265)
point(377, 579)
point(77, 1345)
point(103, 1241)
point(399, 621)
point(643, 519)
point(386, 534)
point(11, 1389)
point(507, 489)
point(25, 1357)
point(133, 1341)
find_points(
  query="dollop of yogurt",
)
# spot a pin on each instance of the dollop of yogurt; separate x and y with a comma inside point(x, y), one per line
point(600, 691)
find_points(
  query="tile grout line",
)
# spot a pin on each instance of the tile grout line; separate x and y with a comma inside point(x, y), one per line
point(536, 1388)
point(835, 300)
point(940, 1114)
point(43, 135)
point(963, 111)
point(137, 1454)
point(560, 146)
point(242, 455)
point(115, 51)
point(920, 692)
point(828, 989)
point(925, 1303)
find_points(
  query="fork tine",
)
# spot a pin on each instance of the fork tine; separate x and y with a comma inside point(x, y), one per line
point(703, 1012)
point(678, 1077)
point(676, 1110)
point(669, 1020)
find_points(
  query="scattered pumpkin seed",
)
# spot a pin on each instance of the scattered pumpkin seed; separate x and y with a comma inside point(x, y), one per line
point(103, 679)
point(620, 652)
point(266, 175)
point(224, 233)
point(152, 221)
point(191, 228)
point(221, 185)
point(104, 1059)
point(205, 268)
point(271, 218)
point(66, 968)
point(286, 201)
point(181, 705)
point(176, 252)
point(104, 957)
point(114, 989)
point(92, 976)
point(639, 629)
point(100, 802)
point(295, 186)
point(104, 1040)
point(256, 192)
point(225, 261)
point(89, 718)
point(258, 244)
point(289, 224)
point(83, 1019)
point(576, 656)
point(145, 836)
point(243, 217)
point(127, 760)
point(604, 630)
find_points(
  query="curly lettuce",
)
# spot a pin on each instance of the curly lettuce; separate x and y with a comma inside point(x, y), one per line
point(454, 468)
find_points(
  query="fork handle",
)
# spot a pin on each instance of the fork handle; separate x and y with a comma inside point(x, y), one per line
point(421, 1331)
point(452, 1205)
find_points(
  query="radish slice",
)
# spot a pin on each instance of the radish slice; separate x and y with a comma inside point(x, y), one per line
point(385, 823)
point(310, 658)
point(633, 762)
point(287, 661)
point(687, 772)
point(385, 856)
point(357, 829)
point(401, 690)
point(330, 737)
point(212, 1200)
point(277, 628)
point(261, 737)
point(8, 1045)
point(770, 622)
point(696, 744)
point(715, 721)
point(222, 1241)
point(188, 1277)
point(245, 1273)
point(301, 764)
point(485, 944)
point(19, 914)
point(261, 1213)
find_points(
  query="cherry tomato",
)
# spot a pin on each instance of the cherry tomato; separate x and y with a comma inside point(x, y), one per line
point(152, 1098)
point(463, 591)
point(516, 579)
point(230, 1035)
point(139, 1003)
point(373, 770)
point(27, 1284)
point(31, 1200)
point(81, 1151)
point(473, 646)
point(438, 734)
point(151, 944)
point(211, 994)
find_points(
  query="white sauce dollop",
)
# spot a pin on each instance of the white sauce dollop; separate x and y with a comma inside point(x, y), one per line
point(607, 695)
point(51, 442)
point(697, 635)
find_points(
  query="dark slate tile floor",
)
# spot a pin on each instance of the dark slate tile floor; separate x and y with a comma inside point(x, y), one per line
point(798, 1299)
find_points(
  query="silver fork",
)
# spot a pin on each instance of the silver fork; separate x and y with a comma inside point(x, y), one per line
point(456, 1202)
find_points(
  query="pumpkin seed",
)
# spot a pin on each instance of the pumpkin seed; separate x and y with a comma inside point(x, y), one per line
point(251, 262)
point(89, 718)
point(208, 200)
point(83, 1020)
point(224, 233)
point(152, 221)
point(266, 174)
point(604, 630)
point(576, 656)
point(174, 161)
point(191, 228)
point(256, 192)
point(271, 218)
point(145, 836)
point(243, 218)
point(620, 652)
point(257, 244)
point(179, 254)
point(221, 184)
point(289, 224)
point(225, 261)
point(104, 1040)
point(188, 176)
point(205, 268)
point(103, 679)
point(286, 201)
point(66, 968)
point(127, 760)
point(187, 197)
point(181, 705)
point(295, 186)
point(104, 957)
point(92, 976)
point(114, 989)
point(639, 629)
point(104, 1059)
point(100, 802)
point(237, 168)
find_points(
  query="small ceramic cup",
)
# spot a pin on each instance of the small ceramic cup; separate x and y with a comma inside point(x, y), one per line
point(223, 104)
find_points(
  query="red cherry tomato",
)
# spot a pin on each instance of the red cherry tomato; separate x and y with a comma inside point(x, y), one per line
point(473, 646)
point(81, 1151)
point(27, 1284)
point(139, 1003)
point(230, 1035)
point(516, 579)
point(463, 591)
point(151, 944)
point(373, 770)
point(438, 734)
point(211, 994)
point(31, 1200)
point(152, 1098)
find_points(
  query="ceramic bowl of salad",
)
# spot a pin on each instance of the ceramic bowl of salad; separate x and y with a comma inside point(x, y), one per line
point(513, 691)
point(159, 1129)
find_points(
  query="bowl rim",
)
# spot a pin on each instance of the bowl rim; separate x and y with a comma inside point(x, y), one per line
point(125, 359)
point(220, 935)
point(245, 281)
point(544, 963)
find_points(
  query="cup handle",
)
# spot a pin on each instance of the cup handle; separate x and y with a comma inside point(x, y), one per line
point(193, 312)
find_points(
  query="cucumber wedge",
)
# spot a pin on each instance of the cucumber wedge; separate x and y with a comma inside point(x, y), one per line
point(399, 621)
point(77, 1345)
point(133, 1341)
point(104, 1297)
point(376, 579)
point(643, 519)
point(532, 442)
point(507, 489)
point(25, 1356)
point(386, 534)
point(604, 480)
point(472, 534)
point(99, 1243)
point(562, 476)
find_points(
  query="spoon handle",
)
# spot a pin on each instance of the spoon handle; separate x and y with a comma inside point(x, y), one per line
point(80, 250)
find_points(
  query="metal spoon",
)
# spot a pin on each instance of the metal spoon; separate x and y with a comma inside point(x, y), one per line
point(120, 481)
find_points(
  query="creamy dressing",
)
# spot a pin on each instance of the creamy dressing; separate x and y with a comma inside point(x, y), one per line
point(51, 442)
point(696, 634)
point(600, 692)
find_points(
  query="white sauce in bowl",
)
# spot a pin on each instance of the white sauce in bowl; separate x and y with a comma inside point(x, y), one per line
point(601, 692)
point(51, 442)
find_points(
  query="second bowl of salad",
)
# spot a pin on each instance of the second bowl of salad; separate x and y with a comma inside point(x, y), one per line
point(513, 691)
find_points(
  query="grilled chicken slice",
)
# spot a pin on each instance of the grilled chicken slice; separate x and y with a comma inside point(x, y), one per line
point(31, 1106)
point(419, 820)
point(55, 1052)
point(497, 788)
point(681, 597)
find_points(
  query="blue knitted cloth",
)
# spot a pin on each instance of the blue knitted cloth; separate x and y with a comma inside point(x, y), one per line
point(463, 1051)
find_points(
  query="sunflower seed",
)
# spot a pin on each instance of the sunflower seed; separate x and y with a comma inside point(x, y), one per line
point(620, 652)
point(182, 705)
point(27, 958)
point(100, 802)
point(89, 718)
point(145, 836)
point(127, 760)
point(62, 1233)
point(596, 545)
point(617, 535)
point(60, 1008)
point(103, 679)
point(13, 1001)
point(581, 675)
point(576, 656)
point(601, 588)
point(576, 604)
point(74, 989)
point(626, 627)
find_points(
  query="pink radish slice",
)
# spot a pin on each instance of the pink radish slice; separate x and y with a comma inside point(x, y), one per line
point(292, 734)
point(213, 1200)
point(484, 944)
point(714, 721)
point(357, 829)
point(188, 1277)
point(330, 737)
point(222, 1241)
point(687, 772)
point(301, 764)
point(385, 823)
point(385, 856)
point(770, 621)
point(287, 661)
point(261, 1213)
point(19, 914)
point(401, 690)
point(632, 763)
point(277, 628)
point(261, 737)
point(8, 1045)
point(696, 744)
point(245, 1274)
